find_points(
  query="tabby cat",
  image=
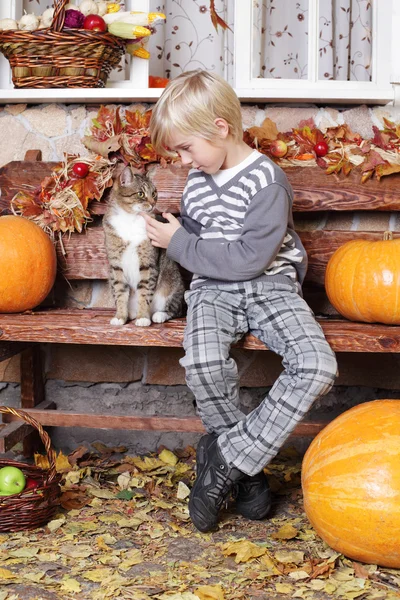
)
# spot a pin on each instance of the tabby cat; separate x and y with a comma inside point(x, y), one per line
point(147, 286)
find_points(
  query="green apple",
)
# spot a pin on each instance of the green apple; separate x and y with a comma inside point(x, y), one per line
point(12, 480)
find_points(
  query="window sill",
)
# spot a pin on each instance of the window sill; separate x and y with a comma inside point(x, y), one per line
point(124, 94)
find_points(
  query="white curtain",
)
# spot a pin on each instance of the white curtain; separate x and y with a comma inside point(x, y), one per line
point(280, 40)
point(188, 40)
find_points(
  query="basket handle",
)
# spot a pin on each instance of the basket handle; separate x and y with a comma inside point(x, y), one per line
point(59, 15)
point(51, 455)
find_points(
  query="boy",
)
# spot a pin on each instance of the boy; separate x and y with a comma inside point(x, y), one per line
point(236, 236)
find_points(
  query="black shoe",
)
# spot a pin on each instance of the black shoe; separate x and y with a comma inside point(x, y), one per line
point(214, 480)
point(253, 496)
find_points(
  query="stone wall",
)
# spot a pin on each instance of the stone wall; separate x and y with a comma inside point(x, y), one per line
point(121, 379)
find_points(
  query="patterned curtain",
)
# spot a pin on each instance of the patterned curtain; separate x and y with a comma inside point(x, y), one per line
point(189, 40)
point(280, 39)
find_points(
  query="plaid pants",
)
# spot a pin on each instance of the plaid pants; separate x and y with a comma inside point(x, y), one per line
point(276, 314)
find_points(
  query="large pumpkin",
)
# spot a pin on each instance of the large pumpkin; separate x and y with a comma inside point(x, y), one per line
point(351, 483)
point(28, 264)
point(362, 280)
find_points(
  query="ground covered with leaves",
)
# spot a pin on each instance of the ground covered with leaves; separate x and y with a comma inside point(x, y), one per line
point(123, 531)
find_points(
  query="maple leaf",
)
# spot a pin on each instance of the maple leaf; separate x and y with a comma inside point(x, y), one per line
point(381, 139)
point(216, 19)
point(389, 124)
point(105, 118)
point(86, 189)
point(339, 162)
point(138, 120)
point(111, 144)
point(306, 138)
point(267, 131)
point(27, 205)
point(372, 160)
point(147, 153)
point(386, 169)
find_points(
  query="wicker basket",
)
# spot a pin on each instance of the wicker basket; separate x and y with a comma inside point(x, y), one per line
point(31, 508)
point(51, 58)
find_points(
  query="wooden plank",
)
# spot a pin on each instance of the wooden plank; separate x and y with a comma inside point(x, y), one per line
point(74, 326)
point(86, 255)
point(13, 433)
point(14, 430)
point(60, 418)
point(32, 383)
point(32, 392)
point(9, 349)
point(313, 189)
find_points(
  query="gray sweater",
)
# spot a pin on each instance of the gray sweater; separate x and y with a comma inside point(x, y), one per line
point(241, 230)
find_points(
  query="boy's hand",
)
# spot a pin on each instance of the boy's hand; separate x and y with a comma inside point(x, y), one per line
point(160, 234)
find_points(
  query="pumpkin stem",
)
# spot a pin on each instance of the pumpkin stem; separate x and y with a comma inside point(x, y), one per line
point(388, 235)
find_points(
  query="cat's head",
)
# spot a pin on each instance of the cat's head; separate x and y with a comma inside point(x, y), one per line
point(134, 191)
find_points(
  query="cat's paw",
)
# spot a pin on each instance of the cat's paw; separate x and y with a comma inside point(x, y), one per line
point(143, 322)
point(160, 317)
point(117, 322)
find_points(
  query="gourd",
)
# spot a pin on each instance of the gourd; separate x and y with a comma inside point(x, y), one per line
point(8, 24)
point(28, 264)
point(88, 7)
point(28, 22)
point(362, 280)
point(351, 483)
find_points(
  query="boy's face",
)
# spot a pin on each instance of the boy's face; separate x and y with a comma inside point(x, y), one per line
point(201, 154)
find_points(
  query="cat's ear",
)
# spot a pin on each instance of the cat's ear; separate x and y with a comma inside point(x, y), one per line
point(127, 176)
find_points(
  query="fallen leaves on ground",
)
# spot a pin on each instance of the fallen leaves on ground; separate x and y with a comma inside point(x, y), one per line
point(123, 532)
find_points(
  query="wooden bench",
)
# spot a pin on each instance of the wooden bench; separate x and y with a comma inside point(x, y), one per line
point(86, 260)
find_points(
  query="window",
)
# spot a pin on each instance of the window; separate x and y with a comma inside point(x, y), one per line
point(302, 74)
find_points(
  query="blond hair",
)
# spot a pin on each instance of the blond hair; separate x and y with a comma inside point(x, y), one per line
point(190, 104)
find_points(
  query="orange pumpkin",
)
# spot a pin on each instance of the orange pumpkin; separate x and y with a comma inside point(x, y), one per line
point(351, 483)
point(362, 280)
point(28, 264)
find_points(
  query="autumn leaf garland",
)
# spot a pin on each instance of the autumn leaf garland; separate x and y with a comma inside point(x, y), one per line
point(62, 203)
point(346, 150)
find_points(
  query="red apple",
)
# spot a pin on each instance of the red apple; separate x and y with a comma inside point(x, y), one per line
point(278, 148)
point(80, 169)
point(321, 148)
point(31, 484)
point(95, 23)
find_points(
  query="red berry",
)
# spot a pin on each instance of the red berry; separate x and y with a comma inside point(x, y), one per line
point(80, 169)
point(321, 148)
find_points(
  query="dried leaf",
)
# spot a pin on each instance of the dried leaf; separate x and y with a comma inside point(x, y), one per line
point(183, 491)
point(286, 532)
point(210, 592)
point(103, 148)
point(244, 550)
point(86, 189)
point(286, 556)
point(386, 169)
point(267, 131)
point(168, 457)
point(216, 19)
point(74, 499)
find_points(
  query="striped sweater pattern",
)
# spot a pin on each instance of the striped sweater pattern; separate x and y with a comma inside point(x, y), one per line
point(221, 211)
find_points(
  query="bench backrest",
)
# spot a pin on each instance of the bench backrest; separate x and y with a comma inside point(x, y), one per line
point(315, 192)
